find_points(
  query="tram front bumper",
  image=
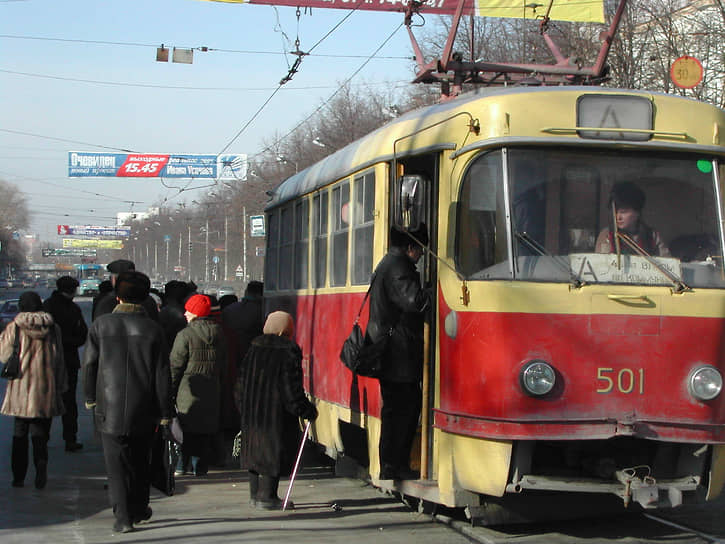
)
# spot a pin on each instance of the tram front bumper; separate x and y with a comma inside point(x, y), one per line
point(646, 491)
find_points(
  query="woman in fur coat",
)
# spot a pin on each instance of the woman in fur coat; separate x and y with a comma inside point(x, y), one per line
point(272, 401)
point(34, 397)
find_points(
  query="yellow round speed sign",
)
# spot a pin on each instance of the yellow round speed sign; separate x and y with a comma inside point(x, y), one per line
point(686, 72)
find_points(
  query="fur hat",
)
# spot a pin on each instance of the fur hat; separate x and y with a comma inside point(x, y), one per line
point(30, 301)
point(119, 266)
point(66, 284)
point(199, 305)
point(132, 286)
point(400, 237)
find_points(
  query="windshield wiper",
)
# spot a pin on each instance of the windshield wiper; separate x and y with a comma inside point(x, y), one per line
point(541, 250)
point(679, 285)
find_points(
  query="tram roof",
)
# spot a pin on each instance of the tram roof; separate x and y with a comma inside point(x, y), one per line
point(357, 155)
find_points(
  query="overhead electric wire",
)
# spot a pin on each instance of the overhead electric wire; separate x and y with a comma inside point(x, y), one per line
point(256, 114)
point(154, 86)
point(326, 102)
point(205, 49)
point(21, 133)
point(70, 188)
point(269, 98)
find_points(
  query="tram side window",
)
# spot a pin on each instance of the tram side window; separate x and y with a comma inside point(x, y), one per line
point(319, 233)
point(286, 248)
point(272, 258)
point(302, 219)
point(362, 225)
point(340, 228)
point(481, 249)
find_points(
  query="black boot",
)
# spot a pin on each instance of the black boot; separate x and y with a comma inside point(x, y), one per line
point(40, 458)
point(267, 498)
point(19, 460)
point(253, 488)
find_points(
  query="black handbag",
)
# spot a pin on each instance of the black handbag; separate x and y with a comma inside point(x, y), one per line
point(11, 367)
point(359, 354)
point(164, 455)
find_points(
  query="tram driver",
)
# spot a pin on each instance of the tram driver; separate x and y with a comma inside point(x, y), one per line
point(628, 200)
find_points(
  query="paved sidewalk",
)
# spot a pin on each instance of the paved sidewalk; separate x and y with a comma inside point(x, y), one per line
point(74, 506)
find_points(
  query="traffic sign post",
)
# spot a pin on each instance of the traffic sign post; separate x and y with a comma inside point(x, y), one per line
point(686, 72)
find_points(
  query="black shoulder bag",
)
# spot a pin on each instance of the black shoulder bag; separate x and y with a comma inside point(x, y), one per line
point(358, 353)
point(11, 367)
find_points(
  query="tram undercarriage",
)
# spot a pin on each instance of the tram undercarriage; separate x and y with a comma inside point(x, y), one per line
point(650, 473)
point(552, 479)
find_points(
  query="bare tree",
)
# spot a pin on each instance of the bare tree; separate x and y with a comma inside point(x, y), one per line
point(13, 218)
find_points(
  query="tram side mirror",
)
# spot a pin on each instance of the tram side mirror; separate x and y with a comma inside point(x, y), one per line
point(409, 204)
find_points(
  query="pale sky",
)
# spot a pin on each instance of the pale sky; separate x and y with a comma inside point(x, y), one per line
point(59, 92)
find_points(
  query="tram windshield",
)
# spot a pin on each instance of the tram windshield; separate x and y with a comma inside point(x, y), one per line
point(591, 216)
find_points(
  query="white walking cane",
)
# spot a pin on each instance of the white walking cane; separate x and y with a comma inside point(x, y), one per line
point(297, 464)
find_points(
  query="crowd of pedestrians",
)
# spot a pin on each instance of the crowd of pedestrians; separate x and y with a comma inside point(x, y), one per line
point(145, 363)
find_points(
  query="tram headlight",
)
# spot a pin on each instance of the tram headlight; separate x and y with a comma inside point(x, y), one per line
point(538, 378)
point(705, 382)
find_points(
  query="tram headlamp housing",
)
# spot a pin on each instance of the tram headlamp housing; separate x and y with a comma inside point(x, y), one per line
point(537, 378)
point(705, 382)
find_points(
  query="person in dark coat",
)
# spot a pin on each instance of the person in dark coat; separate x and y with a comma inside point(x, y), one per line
point(198, 361)
point(126, 380)
point(171, 315)
point(69, 317)
point(242, 321)
point(397, 305)
point(104, 288)
point(36, 395)
point(272, 401)
point(107, 303)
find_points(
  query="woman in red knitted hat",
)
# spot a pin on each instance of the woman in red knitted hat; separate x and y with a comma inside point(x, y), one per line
point(197, 364)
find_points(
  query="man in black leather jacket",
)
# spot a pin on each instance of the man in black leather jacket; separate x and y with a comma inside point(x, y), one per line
point(397, 306)
point(126, 379)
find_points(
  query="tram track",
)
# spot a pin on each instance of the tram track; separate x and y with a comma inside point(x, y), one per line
point(708, 537)
point(570, 531)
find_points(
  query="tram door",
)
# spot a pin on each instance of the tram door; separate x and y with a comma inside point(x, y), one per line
point(414, 201)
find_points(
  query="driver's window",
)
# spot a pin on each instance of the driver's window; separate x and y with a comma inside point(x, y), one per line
point(481, 248)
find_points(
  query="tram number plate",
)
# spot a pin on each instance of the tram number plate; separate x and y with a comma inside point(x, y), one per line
point(625, 380)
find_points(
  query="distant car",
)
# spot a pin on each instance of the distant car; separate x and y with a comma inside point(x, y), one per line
point(226, 290)
point(8, 311)
point(27, 283)
point(88, 287)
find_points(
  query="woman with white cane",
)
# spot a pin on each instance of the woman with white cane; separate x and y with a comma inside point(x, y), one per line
point(272, 400)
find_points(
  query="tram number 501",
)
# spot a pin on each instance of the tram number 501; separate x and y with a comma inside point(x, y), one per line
point(625, 380)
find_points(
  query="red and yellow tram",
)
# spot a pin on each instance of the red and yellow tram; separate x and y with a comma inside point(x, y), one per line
point(551, 368)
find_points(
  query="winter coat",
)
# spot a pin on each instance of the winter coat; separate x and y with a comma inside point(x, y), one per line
point(37, 391)
point(126, 372)
point(198, 361)
point(242, 322)
point(648, 239)
point(272, 400)
point(397, 302)
point(69, 317)
point(172, 320)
